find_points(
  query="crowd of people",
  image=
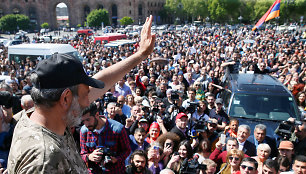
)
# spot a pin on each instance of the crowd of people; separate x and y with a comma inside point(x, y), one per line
point(164, 116)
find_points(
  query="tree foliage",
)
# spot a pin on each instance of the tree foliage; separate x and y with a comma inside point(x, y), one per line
point(96, 17)
point(230, 10)
point(126, 20)
point(195, 8)
point(44, 25)
point(13, 22)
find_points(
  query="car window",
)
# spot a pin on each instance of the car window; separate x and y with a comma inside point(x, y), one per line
point(270, 107)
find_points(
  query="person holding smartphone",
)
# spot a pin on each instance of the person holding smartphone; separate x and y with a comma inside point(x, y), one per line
point(154, 158)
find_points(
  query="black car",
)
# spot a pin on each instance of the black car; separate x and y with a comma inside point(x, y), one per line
point(257, 98)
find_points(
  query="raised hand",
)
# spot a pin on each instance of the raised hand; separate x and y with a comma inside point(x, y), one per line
point(147, 40)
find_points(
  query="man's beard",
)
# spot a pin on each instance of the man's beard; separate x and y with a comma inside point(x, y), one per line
point(94, 126)
point(74, 116)
point(137, 169)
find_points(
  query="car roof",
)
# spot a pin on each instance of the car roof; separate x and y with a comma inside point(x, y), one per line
point(256, 83)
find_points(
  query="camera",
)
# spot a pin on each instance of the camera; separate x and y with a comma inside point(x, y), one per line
point(108, 98)
point(192, 166)
point(6, 99)
point(155, 109)
point(199, 126)
point(286, 128)
point(107, 153)
point(192, 107)
point(175, 95)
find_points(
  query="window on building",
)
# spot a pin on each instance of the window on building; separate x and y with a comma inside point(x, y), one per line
point(140, 10)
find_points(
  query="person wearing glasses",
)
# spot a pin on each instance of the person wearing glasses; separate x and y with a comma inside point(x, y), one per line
point(248, 166)
point(233, 161)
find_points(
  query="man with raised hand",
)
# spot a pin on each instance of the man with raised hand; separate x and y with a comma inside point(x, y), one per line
point(42, 143)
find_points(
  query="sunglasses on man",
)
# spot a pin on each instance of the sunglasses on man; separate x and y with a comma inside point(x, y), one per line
point(248, 167)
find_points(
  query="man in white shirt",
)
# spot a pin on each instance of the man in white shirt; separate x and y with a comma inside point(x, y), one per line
point(246, 146)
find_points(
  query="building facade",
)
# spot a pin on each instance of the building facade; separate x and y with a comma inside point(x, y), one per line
point(40, 11)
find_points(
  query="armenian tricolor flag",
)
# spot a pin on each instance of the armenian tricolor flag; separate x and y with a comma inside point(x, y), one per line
point(273, 12)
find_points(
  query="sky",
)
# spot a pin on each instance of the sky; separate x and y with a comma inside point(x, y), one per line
point(61, 5)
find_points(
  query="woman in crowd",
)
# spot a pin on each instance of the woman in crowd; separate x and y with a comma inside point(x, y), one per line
point(263, 153)
point(154, 132)
point(233, 158)
point(203, 151)
point(184, 152)
point(284, 164)
point(130, 100)
point(300, 99)
point(169, 141)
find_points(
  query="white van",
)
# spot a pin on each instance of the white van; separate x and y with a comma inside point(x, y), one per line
point(19, 53)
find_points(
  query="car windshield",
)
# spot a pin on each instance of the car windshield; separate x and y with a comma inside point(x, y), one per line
point(269, 107)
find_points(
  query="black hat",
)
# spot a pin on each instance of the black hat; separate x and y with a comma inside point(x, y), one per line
point(63, 70)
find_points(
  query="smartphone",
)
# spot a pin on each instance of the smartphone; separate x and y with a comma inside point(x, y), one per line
point(222, 138)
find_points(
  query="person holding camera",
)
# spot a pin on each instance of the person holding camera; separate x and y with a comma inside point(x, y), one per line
point(191, 98)
point(101, 137)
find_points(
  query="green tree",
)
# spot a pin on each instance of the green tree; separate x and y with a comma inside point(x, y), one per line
point(217, 10)
point(44, 25)
point(126, 20)
point(176, 8)
point(261, 7)
point(195, 8)
point(12, 22)
point(247, 10)
point(96, 17)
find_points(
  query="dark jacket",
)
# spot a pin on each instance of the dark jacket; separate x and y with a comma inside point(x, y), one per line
point(178, 132)
point(268, 140)
point(249, 148)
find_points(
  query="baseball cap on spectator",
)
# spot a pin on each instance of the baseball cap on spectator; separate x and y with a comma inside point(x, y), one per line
point(169, 91)
point(145, 103)
point(155, 125)
point(27, 89)
point(61, 71)
point(290, 62)
point(180, 73)
point(143, 120)
point(212, 121)
point(219, 101)
point(286, 145)
point(10, 81)
point(191, 62)
point(180, 115)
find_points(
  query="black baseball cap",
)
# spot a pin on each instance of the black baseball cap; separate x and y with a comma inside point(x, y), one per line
point(63, 70)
